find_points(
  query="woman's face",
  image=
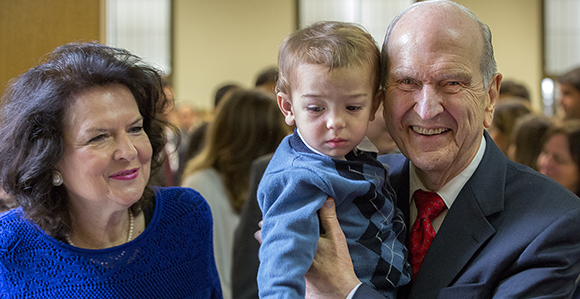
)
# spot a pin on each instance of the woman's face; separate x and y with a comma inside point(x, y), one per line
point(556, 162)
point(107, 154)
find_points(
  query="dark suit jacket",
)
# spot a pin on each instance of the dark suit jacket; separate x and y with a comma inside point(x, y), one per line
point(245, 261)
point(511, 233)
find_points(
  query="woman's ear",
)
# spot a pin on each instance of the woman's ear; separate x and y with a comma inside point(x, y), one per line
point(285, 105)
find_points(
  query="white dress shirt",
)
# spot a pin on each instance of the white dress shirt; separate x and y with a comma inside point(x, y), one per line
point(448, 192)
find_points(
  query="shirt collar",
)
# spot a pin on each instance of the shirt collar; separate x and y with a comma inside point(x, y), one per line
point(450, 190)
point(365, 145)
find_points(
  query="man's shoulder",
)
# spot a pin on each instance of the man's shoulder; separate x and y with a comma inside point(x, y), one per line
point(394, 162)
point(524, 182)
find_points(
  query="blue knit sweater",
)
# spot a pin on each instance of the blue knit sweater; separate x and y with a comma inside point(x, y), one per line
point(295, 186)
point(172, 258)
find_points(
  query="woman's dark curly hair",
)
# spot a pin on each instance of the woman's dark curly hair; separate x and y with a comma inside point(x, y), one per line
point(32, 123)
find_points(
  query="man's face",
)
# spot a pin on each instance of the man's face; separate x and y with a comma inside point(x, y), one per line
point(570, 101)
point(436, 103)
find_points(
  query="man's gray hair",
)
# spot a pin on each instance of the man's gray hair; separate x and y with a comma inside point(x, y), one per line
point(487, 65)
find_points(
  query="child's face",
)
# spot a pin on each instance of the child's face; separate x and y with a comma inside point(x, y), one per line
point(331, 109)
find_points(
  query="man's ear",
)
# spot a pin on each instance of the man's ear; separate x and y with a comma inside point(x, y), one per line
point(285, 106)
point(377, 100)
point(491, 99)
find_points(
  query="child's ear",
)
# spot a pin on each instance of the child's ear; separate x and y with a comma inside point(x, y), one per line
point(286, 107)
point(377, 100)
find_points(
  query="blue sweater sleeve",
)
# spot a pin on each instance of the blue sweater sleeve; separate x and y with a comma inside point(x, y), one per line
point(289, 201)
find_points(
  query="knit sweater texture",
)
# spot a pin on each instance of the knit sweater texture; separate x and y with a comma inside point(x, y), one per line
point(172, 258)
point(295, 186)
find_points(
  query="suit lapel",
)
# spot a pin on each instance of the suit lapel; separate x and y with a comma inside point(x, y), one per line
point(465, 228)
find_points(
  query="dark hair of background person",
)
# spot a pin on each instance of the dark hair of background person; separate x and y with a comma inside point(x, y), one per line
point(221, 92)
point(571, 78)
point(528, 133)
point(198, 135)
point(32, 123)
point(511, 88)
point(570, 129)
point(247, 125)
point(267, 77)
point(505, 115)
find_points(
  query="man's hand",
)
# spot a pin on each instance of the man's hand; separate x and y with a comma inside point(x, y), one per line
point(331, 274)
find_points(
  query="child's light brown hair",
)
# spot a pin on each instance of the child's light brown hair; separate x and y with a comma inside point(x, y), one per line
point(329, 43)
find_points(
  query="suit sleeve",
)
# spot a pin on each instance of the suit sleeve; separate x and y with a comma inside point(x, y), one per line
point(366, 292)
point(550, 264)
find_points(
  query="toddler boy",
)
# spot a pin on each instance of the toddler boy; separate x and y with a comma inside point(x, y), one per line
point(328, 87)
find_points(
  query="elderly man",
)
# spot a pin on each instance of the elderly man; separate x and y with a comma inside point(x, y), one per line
point(503, 230)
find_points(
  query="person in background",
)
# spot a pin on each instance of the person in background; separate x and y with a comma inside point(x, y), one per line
point(185, 119)
point(80, 135)
point(560, 156)
point(266, 79)
point(507, 231)
point(6, 201)
point(513, 91)
point(197, 137)
point(506, 114)
point(569, 98)
point(247, 125)
point(526, 142)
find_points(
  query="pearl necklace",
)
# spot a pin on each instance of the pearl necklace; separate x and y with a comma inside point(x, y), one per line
point(129, 238)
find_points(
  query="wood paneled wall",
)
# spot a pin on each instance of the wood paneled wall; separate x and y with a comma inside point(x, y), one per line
point(31, 28)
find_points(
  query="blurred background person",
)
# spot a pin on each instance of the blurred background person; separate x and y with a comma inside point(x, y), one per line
point(246, 126)
point(266, 79)
point(6, 201)
point(560, 156)
point(526, 142)
point(570, 94)
point(512, 90)
point(80, 135)
point(197, 137)
point(505, 115)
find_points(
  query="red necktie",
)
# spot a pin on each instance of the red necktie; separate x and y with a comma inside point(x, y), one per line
point(429, 206)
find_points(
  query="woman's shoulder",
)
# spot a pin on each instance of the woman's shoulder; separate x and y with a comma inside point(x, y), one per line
point(13, 228)
point(178, 195)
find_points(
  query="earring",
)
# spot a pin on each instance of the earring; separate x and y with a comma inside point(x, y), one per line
point(57, 179)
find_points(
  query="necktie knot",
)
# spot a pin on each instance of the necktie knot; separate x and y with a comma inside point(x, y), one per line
point(429, 204)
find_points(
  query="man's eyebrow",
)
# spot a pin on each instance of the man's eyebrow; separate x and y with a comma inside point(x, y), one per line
point(456, 76)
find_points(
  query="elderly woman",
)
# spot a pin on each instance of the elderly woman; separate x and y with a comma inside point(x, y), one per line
point(80, 135)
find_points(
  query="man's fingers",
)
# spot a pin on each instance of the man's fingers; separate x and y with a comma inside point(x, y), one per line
point(328, 218)
point(258, 233)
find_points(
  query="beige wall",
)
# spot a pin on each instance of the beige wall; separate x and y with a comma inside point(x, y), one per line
point(516, 27)
point(218, 41)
